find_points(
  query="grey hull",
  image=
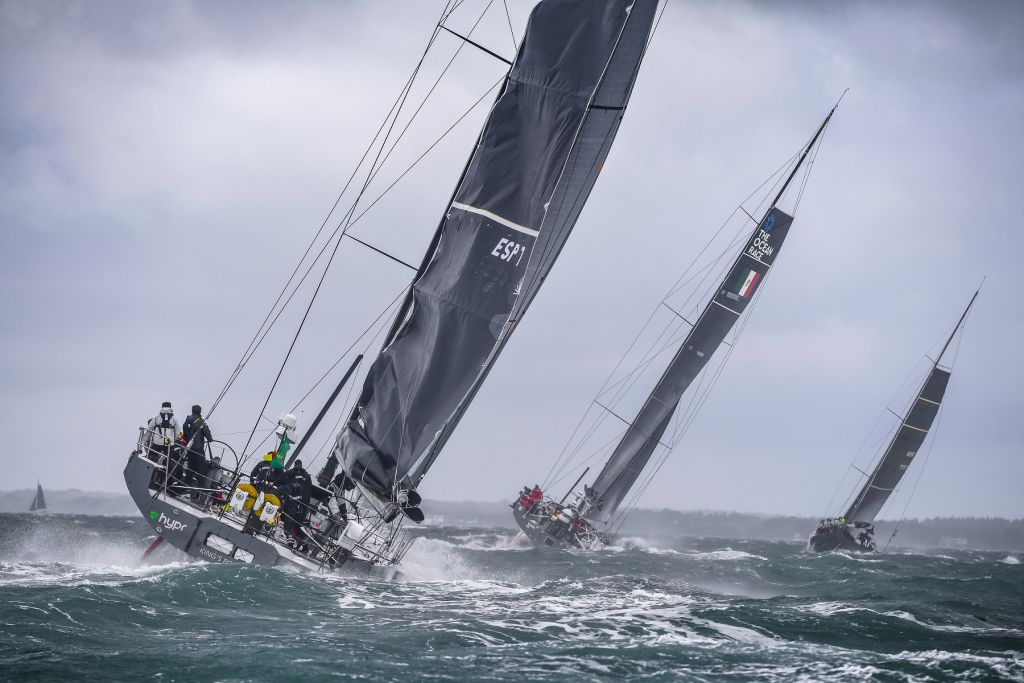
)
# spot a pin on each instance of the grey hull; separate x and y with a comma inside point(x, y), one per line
point(826, 540)
point(188, 529)
point(546, 533)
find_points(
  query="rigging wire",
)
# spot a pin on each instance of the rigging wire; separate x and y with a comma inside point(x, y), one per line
point(912, 378)
point(562, 460)
point(347, 221)
point(702, 392)
point(527, 291)
point(250, 349)
point(928, 454)
point(345, 353)
point(686, 419)
point(515, 43)
point(355, 220)
point(347, 406)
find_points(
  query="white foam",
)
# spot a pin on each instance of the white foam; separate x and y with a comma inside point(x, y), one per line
point(62, 574)
point(728, 554)
point(1010, 559)
point(350, 601)
point(642, 544)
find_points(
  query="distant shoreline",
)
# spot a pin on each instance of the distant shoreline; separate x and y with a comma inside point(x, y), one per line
point(976, 533)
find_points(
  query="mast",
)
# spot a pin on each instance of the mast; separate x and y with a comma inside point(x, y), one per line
point(323, 411)
point(720, 314)
point(806, 151)
point(959, 322)
point(908, 439)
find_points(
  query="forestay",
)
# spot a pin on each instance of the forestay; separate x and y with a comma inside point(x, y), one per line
point(534, 165)
point(721, 313)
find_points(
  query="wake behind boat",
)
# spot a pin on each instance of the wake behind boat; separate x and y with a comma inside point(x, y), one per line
point(855, 530)
point(588, 519)
point(523, 188)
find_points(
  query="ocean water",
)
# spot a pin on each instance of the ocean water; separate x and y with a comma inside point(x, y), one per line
point(75, 604)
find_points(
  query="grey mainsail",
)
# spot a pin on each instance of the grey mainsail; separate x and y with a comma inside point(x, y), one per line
point(902, 449)
point(716, 321)
point(534, 165)
point(644, 433)
point(39, 501)
point(907, 441)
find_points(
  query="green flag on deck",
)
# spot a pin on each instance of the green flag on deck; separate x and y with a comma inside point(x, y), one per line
point(279, 455)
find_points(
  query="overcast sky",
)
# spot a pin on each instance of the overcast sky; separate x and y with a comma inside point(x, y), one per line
point(163, 166)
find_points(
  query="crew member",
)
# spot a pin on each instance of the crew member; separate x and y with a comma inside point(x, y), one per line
point(196, 433)
point(264, 475)
point(298, 486)
point(160, 433)
point(535, 495)
point(158, 439)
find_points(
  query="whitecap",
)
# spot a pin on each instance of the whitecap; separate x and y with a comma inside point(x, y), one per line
point(728, 554)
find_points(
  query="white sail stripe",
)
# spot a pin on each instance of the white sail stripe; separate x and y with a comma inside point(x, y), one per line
point(928, 400)
point(725, 307)
point(905, 424)
point(496, 218)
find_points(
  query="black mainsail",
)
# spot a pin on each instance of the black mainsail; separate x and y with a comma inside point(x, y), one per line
point(39, 501)
point(855, 529)
point(901, 451)
point(716, 321)
point(644, 434)
point(523, 189)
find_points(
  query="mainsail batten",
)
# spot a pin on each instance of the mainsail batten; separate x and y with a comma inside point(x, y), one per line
point(487, 259)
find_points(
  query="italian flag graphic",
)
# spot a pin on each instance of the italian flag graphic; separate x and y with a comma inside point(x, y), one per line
point(745, 284)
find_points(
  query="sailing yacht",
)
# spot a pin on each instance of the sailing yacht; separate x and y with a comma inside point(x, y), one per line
point(39, 500)
point(855, 529)
point(520, 194)
point(587, 519)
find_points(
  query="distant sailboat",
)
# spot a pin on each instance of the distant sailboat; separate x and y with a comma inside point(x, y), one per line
point(589, 522)
point(855, 530)
point(39, 502)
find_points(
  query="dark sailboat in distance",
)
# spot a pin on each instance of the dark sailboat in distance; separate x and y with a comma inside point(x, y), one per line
point(855, 529)
point(588, 522)
point(39, 500)
point(521, 192)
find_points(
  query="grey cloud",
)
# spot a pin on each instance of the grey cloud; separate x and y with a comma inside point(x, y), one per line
point(163, 166)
